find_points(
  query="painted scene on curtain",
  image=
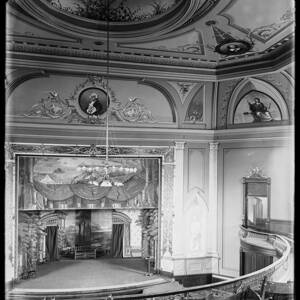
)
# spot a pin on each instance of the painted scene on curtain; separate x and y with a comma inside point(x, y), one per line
point(52, 182)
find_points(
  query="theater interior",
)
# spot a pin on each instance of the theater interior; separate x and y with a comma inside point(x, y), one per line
point(149, 149)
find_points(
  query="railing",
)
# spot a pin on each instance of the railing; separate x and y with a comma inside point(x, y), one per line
point(253, 280)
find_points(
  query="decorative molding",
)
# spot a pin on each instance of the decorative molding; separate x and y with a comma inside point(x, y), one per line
point(71, 24)
point(263, 33)
point(259, 86)
point(284, 87)
point(69, 110)
point(256, 173)
point(185, 87)
point(20, 75)
point(214, 146)
point(179, 145)
point(136, 56)
point(195, 111)
point(165, 90)
point(93, 150)
point(167, 167)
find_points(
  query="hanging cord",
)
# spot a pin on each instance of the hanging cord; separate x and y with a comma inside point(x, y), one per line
point(107, 74)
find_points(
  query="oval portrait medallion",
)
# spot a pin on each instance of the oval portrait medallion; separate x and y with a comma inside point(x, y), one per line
point(93, 101)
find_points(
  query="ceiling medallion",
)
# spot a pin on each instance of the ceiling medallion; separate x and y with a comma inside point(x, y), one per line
point(233, 47)
point(227, 44)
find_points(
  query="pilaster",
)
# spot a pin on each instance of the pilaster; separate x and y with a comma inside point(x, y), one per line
point(213, 201)
point(10, 217)
point(178, 228)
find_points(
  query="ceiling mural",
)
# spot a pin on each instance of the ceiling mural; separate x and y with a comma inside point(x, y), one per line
point(191, 42)
point(264, 19)
point(191, 33)
point(118, 10)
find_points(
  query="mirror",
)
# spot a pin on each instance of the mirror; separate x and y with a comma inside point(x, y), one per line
point(256, 204)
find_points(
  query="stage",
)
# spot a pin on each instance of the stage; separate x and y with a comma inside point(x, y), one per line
point(88, 273)
point(92, 277)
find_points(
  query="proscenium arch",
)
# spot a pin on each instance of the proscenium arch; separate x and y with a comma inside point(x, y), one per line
point(171, 96)
point(259, 86)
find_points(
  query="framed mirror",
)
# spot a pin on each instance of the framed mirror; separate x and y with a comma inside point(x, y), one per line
point(256, 202)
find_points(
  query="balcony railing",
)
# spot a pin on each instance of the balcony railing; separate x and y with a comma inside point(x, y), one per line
point(224, 289)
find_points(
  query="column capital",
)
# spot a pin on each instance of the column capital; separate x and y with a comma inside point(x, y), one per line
point(213, 145)
point(179, 145)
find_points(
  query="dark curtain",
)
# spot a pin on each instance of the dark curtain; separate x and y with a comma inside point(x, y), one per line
point(51, 243)
point(117, 240)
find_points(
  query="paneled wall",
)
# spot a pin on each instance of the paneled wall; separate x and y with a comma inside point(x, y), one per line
point(236, 160)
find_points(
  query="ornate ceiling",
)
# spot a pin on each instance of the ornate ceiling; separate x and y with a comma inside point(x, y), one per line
point(210, 34)
point(124, 11)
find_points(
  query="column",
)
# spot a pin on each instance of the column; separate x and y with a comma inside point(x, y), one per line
point(213, 199)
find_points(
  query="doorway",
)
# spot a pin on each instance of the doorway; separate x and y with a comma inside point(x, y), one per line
point(117, 240)
point(51, 243)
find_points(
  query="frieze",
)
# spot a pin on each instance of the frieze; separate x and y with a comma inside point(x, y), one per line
point(89, 104)
point(167, 153)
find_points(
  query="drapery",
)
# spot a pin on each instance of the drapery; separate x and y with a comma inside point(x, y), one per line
point(51, 243)
point(117, 240)
point(60, 192)
point(53, 191)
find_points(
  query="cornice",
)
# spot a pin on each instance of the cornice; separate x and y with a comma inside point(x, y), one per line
point(40, 54)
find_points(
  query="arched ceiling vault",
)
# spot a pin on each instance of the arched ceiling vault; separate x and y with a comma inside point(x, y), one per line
point(189, 34)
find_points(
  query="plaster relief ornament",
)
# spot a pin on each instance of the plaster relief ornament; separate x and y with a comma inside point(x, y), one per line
point(53, 107)
point(89, 104)
point(255, 172)
point(133, 111)
point(227, 44)
point(185, 87)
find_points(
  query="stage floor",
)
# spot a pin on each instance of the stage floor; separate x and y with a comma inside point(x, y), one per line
point(90, 273)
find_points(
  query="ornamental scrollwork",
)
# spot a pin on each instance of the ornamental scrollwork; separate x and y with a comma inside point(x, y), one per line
point(91, 150)
point(89, 103)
